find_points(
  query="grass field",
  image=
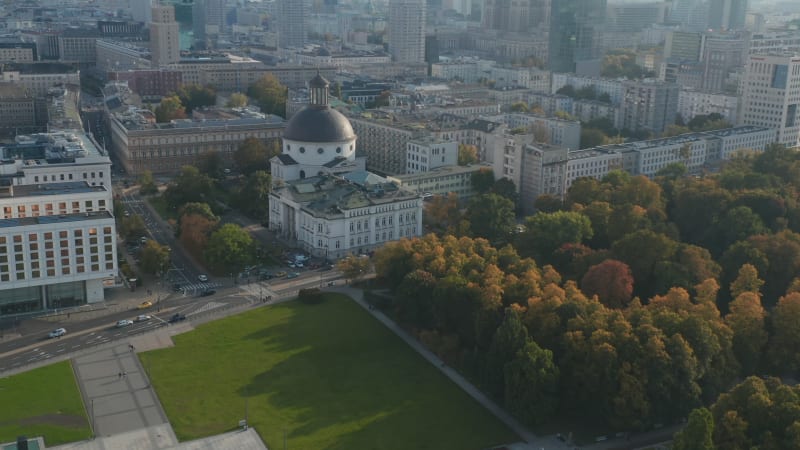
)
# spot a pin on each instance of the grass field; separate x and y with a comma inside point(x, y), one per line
point(329, 376)
point(43, 402)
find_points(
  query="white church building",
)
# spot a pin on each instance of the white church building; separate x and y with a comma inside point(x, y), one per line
point(323, 199)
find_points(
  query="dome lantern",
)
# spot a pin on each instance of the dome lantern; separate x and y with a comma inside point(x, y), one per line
point(319, 91)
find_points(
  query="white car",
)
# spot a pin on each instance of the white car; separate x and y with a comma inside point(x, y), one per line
point(58, 332)
point(143, 318)
point(124, 323)
point(202, 277)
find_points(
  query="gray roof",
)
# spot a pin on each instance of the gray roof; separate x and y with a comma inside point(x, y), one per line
point(286, 160)
point(319, 124)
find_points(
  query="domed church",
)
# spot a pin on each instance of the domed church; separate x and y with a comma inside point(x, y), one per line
point(323, 199)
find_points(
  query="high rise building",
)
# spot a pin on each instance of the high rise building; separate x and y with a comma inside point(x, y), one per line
point(770, 95)
point(722, 55)
point(292, 25)
point(141, 10)
point(727, 14)
point(506, 15)
point(165, 44)
point(576, 29)
point(208, 18)
point(630, 17)
point(407, 30)
point(649, 104)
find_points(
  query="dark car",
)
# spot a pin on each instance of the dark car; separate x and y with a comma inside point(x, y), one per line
point(208, 292)
point(177, 287)
point(177, 317)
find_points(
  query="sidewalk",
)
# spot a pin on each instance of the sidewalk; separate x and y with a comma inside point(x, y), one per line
point(533, 442)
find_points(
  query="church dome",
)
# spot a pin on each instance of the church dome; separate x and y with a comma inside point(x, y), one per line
point(319, 124)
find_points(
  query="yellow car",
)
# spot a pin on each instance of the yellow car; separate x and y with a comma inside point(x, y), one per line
point(280, 274)
point(145, 305)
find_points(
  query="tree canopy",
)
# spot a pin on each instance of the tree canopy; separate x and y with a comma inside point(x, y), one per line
point(270, 95)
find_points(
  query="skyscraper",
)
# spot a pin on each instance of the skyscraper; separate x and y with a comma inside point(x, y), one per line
point(165, 45)
point(770, 95)
point(407, 30)
point(727, 14)
point(292, 16)
point(141, 10)
point(576, 31)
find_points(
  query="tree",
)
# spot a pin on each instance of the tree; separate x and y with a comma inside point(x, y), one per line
point(132, 227)
point(482, 180)
point(354, 267)
point(236, 100)
point(698, 434)
point(641, 251)
point(509, 338)
point(230, 248)
point(548, 203)
point(189, 186)
point(195, 230)
point(441, 211)
point(253, 197)
point(747, 281)
point(147, 184)
point(592, 137)
point(531, 384)
point(611, 281)
point(746, 319)
point(467, 154)
point(270, 95)
point(252, 155)
point(212, 164)
point(169, 109)
point(504, 187)
point(194, 96)
point(736, 224)
point(567, 90)
point(675, 130)
point(491, 217)
point(546, 232)
point(155, 257)
point(783, 352)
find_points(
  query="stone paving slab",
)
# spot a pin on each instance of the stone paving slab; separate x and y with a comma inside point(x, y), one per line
point(161, 438)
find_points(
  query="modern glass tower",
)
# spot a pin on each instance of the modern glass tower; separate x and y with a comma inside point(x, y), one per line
point(576, 32)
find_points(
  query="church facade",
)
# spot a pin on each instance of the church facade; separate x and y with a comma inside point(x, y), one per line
point(323, 199)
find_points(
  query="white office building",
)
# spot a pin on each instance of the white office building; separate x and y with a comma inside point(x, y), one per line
point(424, 155)
point(407, 30)
point(770, 95)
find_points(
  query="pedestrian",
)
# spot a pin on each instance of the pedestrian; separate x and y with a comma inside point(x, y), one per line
point(119, 375)
point(124, 374)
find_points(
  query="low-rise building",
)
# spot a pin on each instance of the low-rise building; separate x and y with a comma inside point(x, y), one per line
point(442, 181)
point(424, 155)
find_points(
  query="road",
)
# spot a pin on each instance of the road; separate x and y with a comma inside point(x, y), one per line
point(34, 346)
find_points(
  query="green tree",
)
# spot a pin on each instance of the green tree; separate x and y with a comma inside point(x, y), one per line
point(747, 281)
point(531, 384)
point(252, 155)
point(169, 109)
point(592, 137)
point(194, 96)
point(132, 227)
point(354, 267)
point(642, 251)
point(675, 130)
point(155, 257)
point(698, 434)
point(189, 186)
point(212, 164)
point(270, 95)
point(236, 100)
point(482, 180)
point(548, 203)
point(736, 224)
point(491, 216)
point(546, 232)
point(230, 248)
point(147, 184)
point(509, 338)
point(467, 154)
point(504, 187)
point(253, 197)
point(567, 90)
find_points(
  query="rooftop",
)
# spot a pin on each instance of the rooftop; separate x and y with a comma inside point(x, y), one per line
point(46, 220)
point(137, 119)
point(442, 171)
point(60, 147)
point(330, 196)
point(35, 190)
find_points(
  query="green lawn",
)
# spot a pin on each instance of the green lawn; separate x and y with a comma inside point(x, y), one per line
point(328, 375)
point(43, 402)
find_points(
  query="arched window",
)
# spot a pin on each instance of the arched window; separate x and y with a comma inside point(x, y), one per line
point(302, 149)
point(302, 173)
point(320, 150)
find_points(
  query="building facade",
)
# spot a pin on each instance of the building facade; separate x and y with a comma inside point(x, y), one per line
point(165, 45)
point(649, 105)
point(407, 31)
point(770, 95)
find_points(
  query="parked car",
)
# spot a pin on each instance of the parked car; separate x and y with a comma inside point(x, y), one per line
point(124, 323)
point(292, 275)
point(143, 318)
point(208, 292)
point(177, 317)
point(145, 305)
point(177, 287)
point(280, 274)
point(202, 277)
point(143, 240)
point(58, 332)
point(264, 276)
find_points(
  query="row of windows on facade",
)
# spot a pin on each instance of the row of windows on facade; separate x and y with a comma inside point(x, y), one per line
point(319, 150)
point(61, 177)
point(48, 235)
point(379, 221)
point(65, 269)
point(378, 237)
point(35, 210)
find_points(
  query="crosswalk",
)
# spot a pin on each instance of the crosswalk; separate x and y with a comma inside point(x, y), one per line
point(196, 288)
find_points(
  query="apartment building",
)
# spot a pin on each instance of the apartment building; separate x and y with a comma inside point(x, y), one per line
point(38, 78)
point(116, 55)
point(694, 103)
point(559, 132)
point(424, 154)
point(163, 148)
point(649, 105)
point(442, 181)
